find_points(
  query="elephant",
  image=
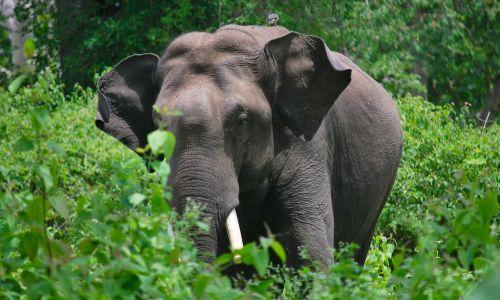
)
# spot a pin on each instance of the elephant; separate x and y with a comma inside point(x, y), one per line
point(275, 130)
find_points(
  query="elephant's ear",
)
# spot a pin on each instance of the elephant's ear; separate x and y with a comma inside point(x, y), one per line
point(127, 94)
point(309, 80)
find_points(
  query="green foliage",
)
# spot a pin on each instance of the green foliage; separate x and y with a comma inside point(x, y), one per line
point(446, 50)
point(449, 258)
point(439, 145)
point(80, 217)
point(42, 89)
point(447, 45)
point(5, 56)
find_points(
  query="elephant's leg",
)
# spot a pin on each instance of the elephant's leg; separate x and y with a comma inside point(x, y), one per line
point(357, 203)
point(311, 236)
point(301, 216)
point(365, 244)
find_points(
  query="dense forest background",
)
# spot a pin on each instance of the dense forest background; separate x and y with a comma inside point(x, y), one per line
point(446, 51)
point(80, 217)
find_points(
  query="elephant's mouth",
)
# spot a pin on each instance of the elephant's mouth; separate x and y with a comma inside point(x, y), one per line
point(234, 234)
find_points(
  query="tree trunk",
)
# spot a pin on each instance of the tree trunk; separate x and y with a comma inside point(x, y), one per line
point(15, 29)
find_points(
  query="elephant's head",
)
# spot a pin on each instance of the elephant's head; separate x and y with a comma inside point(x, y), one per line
point(236, 89)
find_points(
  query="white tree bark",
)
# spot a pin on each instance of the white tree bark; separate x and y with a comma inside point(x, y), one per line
point(15, 30)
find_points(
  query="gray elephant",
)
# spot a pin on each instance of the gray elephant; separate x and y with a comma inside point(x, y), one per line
point(274, 125)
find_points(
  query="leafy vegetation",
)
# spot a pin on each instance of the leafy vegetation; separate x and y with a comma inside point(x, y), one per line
point(446, 50)
point(80, 217)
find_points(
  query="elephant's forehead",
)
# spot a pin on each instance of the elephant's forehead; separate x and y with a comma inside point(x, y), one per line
point(219, 56)
point(206, 46)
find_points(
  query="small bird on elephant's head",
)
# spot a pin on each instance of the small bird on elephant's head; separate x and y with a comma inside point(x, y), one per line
point(272, 19)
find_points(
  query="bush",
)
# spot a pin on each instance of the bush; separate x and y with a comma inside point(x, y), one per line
point(80, 217)
point(439, 145)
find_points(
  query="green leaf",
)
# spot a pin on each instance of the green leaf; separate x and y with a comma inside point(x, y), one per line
point(265, 242)
point(487, 206)
point(158, 203)
point(87, 246)
point(397, 260)
point(11, 284)
point(156, 139)
point(278, 249)
point(480, 262)
point(174, 257)
point(23, 144)
point(40, 118)
point(169, 145)
point(200, 284)
point(476, 161)
point(31, 242)
point(162, 142)
point(163, 171)
point(46, 175)
point(56, 148)
point(260, 260)
point(60, 250)
point(488, 288)
point(60, 205)
point(131, 282)
point(17, 83)
point(246, 253)
point(4, 172)
point(451, 244)
point(40, 289)
point(224, 259)
point(29, 48)
point(35, 210)
point(263, 286)
point(254, 256)
point(136, 199)
point(28, 278)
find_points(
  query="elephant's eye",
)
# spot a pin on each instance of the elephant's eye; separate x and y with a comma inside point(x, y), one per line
point(243, 120)
point(242, 123)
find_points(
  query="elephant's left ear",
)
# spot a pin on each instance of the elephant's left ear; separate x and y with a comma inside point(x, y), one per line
point(309, 79)
point(127, 94)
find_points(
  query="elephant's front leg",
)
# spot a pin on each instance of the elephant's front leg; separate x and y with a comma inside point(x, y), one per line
point(301, 215)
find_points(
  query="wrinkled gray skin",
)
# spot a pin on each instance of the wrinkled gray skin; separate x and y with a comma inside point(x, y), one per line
point(274, 124)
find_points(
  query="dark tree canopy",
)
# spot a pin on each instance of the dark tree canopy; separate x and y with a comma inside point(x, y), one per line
point(446, 51)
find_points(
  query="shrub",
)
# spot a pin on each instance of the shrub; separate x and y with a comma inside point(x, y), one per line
point(439, 145)
point(80, 217)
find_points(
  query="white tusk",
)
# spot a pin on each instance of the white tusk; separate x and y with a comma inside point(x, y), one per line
point(234, 234)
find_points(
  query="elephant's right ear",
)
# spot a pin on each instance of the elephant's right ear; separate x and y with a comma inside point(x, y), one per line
point(310, 78)
point(127, 94)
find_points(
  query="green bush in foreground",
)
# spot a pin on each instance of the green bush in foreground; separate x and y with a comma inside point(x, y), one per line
point(80, 217)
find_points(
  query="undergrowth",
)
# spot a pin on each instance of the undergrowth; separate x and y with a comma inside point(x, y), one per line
point(80, 217)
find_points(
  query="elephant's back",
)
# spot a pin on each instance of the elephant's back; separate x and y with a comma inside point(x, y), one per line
point(260, 34)
point(365, 134)
point(365, 110)
point(365, 114)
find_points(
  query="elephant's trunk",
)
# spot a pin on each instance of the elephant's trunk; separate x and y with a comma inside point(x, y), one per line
point(208, 180)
